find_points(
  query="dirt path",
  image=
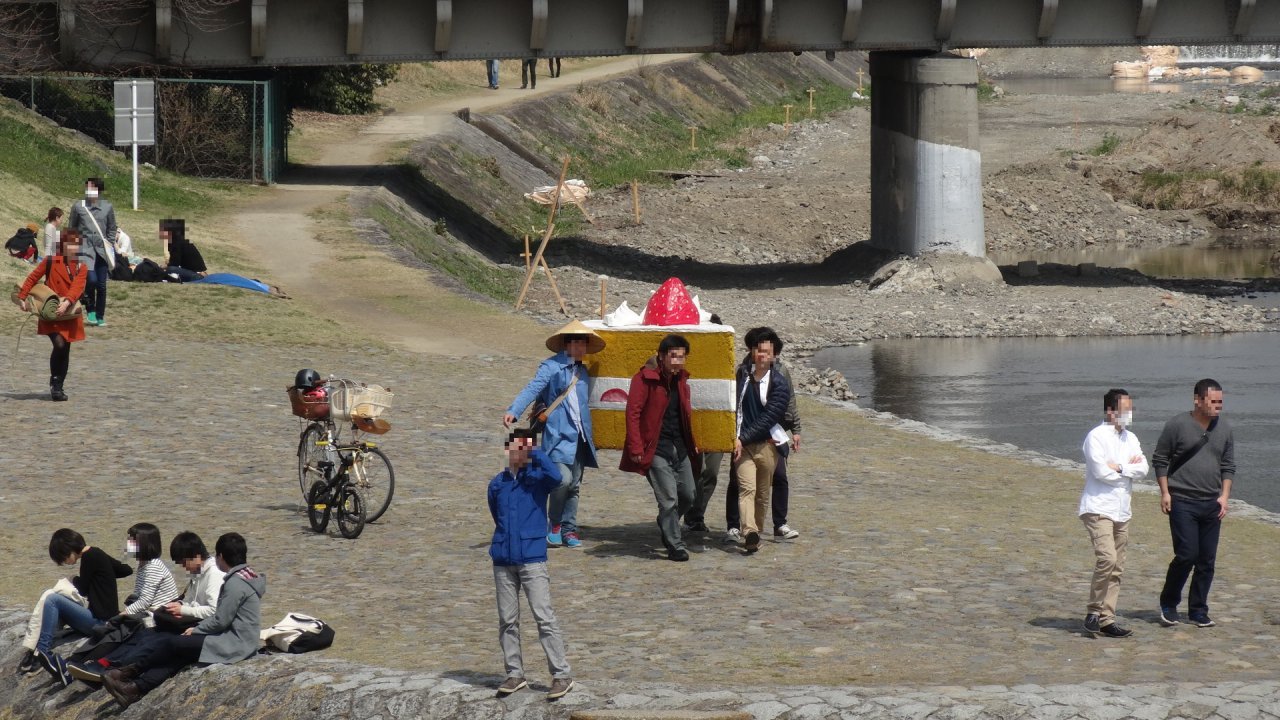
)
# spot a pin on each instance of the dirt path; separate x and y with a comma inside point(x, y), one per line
point(285, 224)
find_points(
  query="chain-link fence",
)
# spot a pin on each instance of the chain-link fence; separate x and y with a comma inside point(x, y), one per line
point(206, 128)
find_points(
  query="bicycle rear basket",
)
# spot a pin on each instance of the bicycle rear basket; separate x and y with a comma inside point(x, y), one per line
point(349, 399)
point(311, 408)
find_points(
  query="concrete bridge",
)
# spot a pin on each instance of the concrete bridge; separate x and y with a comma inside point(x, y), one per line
point(926, 168)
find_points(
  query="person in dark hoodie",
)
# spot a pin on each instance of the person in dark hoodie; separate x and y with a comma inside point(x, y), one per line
point(660, 442)
point(231, 634)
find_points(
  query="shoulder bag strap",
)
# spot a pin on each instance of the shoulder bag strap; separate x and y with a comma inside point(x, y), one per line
point(1177, 463)
point(547, 413)
point(93, 220)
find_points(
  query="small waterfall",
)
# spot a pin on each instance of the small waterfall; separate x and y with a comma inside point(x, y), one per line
point(1229, 55)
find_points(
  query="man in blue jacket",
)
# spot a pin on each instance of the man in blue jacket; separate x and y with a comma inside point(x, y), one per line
point(763, 394)
point(518, 502)
point(561, 385)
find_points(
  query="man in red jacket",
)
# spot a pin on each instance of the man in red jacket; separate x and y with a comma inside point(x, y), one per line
point(660, 441)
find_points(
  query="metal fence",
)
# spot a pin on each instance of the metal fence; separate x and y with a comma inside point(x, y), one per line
point(231, 129)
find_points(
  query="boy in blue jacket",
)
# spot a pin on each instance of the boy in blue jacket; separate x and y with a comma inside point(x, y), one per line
point(518, 503)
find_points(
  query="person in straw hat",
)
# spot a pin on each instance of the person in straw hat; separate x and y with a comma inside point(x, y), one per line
point(560, 385)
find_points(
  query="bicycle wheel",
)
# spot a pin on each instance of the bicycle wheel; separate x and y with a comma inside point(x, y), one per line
point(350, 513)
point(310, 455)
point(318, 506)
point(373, 478)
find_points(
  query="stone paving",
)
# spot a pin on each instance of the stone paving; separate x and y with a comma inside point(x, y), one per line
point(932, 579)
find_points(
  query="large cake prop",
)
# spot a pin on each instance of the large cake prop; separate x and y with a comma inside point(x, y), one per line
point(631, 339)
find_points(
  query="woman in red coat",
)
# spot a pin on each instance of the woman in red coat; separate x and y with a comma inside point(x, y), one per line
point(67, 277)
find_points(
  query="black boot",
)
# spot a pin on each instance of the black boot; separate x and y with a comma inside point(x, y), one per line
point(55, 389)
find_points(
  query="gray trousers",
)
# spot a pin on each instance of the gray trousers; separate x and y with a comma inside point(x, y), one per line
point(706, 487)
point(533, 577)
point(673, 488)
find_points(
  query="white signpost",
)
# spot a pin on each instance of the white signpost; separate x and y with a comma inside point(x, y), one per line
point(135, 119)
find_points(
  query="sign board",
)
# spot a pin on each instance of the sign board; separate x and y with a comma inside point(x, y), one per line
point(135, 105)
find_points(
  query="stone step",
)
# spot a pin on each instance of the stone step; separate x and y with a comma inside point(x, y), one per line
point(651, 714)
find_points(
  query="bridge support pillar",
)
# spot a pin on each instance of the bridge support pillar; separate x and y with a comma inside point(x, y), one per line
point(926, 169)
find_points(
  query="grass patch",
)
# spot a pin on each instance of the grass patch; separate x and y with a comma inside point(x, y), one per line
point(446, 255)
point(986, 91)
point(1179, 190)
point(1110, 141)
point(662, 141)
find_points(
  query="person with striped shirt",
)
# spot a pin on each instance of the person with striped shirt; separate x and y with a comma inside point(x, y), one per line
point(153, 585)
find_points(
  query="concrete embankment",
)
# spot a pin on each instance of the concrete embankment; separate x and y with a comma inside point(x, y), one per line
point(477, 172)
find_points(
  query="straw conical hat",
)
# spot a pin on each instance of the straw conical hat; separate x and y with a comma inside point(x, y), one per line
point(595, 343)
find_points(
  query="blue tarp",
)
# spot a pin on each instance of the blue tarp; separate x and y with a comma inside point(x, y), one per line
point(234, 281)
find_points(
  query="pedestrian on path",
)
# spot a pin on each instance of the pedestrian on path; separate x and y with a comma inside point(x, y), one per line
point(64, 274)
point(659, 442)
point(529, 73)
point(493, 73)
point(1113, 459)
point(95, 219)
point(780, 492)
point(1195, 466)
point(560, 386)
point(52, 228)
point(763, 395)
point(553, 67)
point(518, 502)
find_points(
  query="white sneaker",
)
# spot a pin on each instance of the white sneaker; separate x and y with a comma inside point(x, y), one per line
point(786, 533)
point(733, 536)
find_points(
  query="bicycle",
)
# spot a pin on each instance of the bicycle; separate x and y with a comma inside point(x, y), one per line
point(337, 491)
point(323, 455)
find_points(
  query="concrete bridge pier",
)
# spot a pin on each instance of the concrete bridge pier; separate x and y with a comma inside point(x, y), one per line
point(926, 169)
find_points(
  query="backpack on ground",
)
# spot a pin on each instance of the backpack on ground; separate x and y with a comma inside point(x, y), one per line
point(298, 633)
point(21, 242)
point(148, 271)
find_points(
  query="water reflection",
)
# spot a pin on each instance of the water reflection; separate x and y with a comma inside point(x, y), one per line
point(1044, 394)
point(1229, 256)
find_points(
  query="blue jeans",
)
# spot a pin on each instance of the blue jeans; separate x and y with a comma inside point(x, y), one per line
point(1194, 525)
point(562, 507)
point(95, 289)
point(59, 609)
point(493, 73)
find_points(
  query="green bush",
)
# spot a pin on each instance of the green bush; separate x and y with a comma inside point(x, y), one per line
point(338, 89)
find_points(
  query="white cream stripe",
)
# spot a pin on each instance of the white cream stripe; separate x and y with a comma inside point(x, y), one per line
point(703, 394)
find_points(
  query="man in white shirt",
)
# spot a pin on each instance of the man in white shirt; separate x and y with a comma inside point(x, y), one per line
point(1112, 461)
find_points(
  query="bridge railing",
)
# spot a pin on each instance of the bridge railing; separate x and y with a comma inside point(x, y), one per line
point(231, 129)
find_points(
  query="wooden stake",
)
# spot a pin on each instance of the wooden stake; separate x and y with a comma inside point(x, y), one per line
point(546, 237)
point(554, 288)
point(811, 91)
point(786, 124)
point(604, 307)
point(693, 137)
point(860, 74)
point(527, 255)
point(635, 200)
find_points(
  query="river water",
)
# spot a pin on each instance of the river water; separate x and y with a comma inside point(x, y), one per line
point(1044, 394)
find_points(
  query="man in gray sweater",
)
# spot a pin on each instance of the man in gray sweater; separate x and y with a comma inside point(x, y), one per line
point(1195, 465)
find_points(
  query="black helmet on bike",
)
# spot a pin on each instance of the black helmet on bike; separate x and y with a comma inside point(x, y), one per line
point(307, 378)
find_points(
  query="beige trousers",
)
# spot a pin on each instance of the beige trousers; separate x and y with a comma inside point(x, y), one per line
point(1110, 538)
point(755, 482)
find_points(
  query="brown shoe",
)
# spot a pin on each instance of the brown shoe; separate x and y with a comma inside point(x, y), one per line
point(124, 691)
point(511, 685)
point(753, 541)
point(559, 688)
